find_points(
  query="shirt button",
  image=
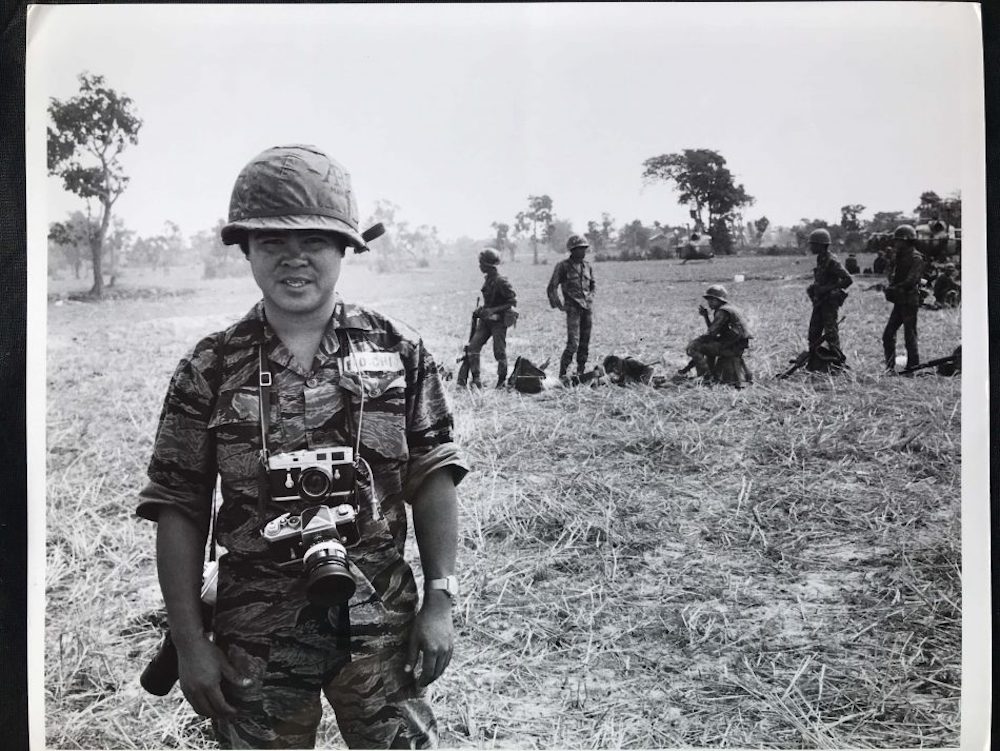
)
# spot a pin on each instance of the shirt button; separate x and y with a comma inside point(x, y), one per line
point(312, 382)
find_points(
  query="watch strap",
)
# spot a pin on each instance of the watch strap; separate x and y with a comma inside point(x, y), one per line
point(449, 584)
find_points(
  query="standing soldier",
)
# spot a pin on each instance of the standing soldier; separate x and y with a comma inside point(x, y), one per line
point(493, 318)
point(305, 379)
point(904, 294)
point(728, 336)
point(827, 292)
point(575, 276)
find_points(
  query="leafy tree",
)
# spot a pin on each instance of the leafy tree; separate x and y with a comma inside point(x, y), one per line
point(930, 206)
point(87, 136)
point(951, 209)
point(633, 240)
point(851, 224)
point(601, 235)
point(501, 240)
point(538, 219)
point(160, 252)
point(74, 237)
point(761, 226)
point(706, 186)
point(887, 221)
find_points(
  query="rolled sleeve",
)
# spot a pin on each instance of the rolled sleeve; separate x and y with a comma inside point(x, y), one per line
point(429, 425)
point(421, 465)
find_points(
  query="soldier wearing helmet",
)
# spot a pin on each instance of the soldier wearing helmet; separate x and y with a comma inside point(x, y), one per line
point(493, 317)
point(575, 277)
point(304, 371)
point(728, 334)
point(827, 292)
point(903, 291)
point(947, 288)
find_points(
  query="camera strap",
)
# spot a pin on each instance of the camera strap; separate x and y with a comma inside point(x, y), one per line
point(264, 383)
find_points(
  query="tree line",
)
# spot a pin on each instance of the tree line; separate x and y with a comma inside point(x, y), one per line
point(89, 132)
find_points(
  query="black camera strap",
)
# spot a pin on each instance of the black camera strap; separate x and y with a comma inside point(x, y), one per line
point(264, 383)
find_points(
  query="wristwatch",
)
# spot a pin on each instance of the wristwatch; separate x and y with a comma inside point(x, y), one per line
point(449, 585)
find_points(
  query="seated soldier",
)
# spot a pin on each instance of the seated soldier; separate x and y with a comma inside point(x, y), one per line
point(728, 335)
point(947, 289)
point(851, 264)
point(880, 263)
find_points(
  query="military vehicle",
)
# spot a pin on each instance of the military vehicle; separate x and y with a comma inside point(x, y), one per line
point(696, 247)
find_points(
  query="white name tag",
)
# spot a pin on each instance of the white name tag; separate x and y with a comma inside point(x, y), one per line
point(372, 362)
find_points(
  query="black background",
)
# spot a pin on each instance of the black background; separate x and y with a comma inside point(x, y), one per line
point(13, 487)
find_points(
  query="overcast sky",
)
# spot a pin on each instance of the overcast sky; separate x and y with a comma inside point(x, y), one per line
point(458, 113)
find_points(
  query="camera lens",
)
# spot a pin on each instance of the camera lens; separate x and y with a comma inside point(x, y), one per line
point(328, 580)
point(314, 483)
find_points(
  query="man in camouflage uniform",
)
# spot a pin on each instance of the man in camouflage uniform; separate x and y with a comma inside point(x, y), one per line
point(493, 318)
point(827, 292)
point(575, 277)
point(340, 375)
point(903, 292)
point(728, 334)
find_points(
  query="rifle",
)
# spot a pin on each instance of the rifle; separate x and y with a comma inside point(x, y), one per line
point(472, 332)
point(803, 357)
point(955, 358)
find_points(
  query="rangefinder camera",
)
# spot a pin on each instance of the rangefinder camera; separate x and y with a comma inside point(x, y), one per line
point(319, 475)
point(319, 536)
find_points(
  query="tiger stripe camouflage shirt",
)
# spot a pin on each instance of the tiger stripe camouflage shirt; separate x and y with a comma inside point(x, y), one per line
point(210, 422)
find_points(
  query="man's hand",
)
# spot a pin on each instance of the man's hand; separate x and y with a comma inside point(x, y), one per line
point(702, 310)
point(558, 304)
point(201, 668)
point(432, 636)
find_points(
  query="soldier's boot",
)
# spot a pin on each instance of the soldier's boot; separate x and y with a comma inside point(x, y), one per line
point(473, 360)
point(501, 373)
point(463, 373)
point(564, 363)
point(581, 367)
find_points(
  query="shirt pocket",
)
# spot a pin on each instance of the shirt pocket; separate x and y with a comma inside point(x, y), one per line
point(235, 426)
point(383, 419)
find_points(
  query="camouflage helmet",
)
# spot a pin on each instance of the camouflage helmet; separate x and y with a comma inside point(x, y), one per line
point(904, 232)
point(819, 236)
point(490, 257)
point(293, 187)
point(718, 292)
point(575, 241)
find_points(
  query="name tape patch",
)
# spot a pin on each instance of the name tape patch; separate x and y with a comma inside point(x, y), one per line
point(372, 362)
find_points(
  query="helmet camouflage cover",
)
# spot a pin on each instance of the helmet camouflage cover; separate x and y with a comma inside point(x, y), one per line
point(293, 188)
point(904, 232)
point(718, 292)
point(819, 236)
point(575, 241)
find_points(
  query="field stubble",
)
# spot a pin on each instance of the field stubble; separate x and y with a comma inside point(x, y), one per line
point(776, 567)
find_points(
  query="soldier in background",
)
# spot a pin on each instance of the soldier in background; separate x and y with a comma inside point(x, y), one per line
point(903, 292)
point(827, 292)
point(851, 264)
point(947, 289)
point(493, 318)
point(728, 335)
point(575, 277)
point(880, 262)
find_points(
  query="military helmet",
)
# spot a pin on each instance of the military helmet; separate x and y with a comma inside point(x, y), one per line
point(819, 236)
point(293, 187)
point(718, 292)
point(575, 241)
point(490, 257)
point(904, 232)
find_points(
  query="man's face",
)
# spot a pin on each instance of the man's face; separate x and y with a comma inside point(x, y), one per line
point(714, 302)
point(901, 246)
point(578, 252)
point(486, 268)
point(819, 248)
point(296, 270)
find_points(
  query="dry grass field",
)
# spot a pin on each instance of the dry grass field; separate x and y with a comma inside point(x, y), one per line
point(646, 568)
